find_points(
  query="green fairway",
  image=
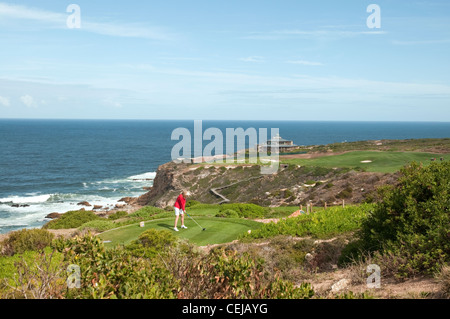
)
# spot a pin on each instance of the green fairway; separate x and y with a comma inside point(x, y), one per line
point(371, 161)
point(218, 230)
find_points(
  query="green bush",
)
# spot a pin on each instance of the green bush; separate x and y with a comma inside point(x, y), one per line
point(158, 239)
point(245, 210)
point(26, 240)
point(72, 219)
point(117, 215)
point(153, 242)
point(222, 274)
point(98, 225)
point(322, 224)
point(147, 212)
point(412, 222)
point(229, 213)
point(191, 203)
point(114, 273)
point(33, 275)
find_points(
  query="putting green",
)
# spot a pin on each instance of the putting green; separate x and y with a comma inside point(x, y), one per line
point(218, 230)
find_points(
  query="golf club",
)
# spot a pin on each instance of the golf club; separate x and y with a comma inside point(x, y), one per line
point(195, 221)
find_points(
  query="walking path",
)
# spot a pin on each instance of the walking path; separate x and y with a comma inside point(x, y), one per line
point(224, 199)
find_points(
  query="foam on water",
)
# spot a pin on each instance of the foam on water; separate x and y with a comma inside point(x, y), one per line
point(26, 199)
point(34, 206)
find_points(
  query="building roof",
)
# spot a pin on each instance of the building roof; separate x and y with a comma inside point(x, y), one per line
point(278, 138)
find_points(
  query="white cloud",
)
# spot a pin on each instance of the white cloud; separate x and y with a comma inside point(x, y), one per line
point(23, 12)
point(28, 101)
point(253, 59)
point(4, 101)
point(285, 34)
point(303, 62)
point(59, 20)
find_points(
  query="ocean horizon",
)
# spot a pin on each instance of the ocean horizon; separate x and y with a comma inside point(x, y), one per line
point(49, 165)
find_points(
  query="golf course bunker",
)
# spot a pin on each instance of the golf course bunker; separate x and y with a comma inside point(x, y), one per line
point(218, 230)
point(366, 161)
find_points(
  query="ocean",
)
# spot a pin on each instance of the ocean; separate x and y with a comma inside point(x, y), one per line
point(49, 166)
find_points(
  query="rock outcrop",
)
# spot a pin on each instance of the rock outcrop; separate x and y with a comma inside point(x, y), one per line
point(83, 204)
point(291, 185)
point(53, 215)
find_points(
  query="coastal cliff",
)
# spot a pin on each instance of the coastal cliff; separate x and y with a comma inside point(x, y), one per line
point(291, 185)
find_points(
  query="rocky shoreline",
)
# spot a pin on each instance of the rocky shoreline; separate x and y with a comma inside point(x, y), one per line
point(129, 205)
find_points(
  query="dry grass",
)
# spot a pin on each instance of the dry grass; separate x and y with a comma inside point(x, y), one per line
point(444, 281)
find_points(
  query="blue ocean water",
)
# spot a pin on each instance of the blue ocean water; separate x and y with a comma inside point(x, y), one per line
point(51, 165)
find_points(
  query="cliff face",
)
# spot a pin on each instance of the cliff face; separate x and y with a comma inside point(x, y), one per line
point(166, 186)
point(291, 185)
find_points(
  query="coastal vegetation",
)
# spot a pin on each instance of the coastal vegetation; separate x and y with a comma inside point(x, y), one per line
point(252, 250)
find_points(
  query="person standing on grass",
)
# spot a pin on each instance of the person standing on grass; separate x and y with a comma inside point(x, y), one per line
point(180, 209)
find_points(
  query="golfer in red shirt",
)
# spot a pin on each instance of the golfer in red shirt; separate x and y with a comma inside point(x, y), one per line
point(180, 209)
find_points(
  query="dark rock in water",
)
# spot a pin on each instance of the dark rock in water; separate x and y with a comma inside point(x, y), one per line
point(84, 204)
point(127, 200)
point(18, 205)
point(98, 206)
point(53, 215)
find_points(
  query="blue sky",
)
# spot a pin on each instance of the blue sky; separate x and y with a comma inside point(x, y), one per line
point(249, 60)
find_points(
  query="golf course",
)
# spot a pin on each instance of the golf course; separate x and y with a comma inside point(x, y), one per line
point(217, 230)
point(206, 225)
point(298, 233)
point(370, 161)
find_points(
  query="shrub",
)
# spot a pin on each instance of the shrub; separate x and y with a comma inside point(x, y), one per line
point(114, 273)
point(33, 275)
point(191, 202)
point(117, 215)
point(345, 193)
point(158, 239)
point(222, 274)
point(147, 212)
point(25, 240)
point(351, 253)
point(245, 210)
point(152, 242)
point(413, 220)
point(322, 224)
point(72, 219)
point(229, 213)
point(98, 225)
point(444, 281)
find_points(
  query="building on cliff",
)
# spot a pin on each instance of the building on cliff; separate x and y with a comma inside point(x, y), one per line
point(277, 142)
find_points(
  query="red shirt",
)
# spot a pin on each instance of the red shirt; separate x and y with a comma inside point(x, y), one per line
point(180, 202)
